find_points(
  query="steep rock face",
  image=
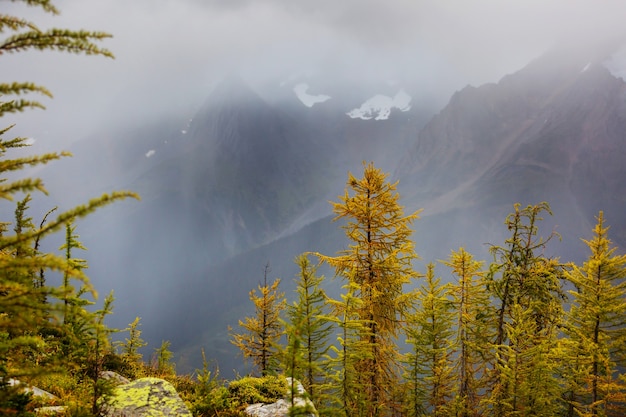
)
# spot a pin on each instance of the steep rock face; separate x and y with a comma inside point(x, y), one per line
point(259, 165)
point(241, 175)
point(481, 125)
point(553, 131)
point(575, 156)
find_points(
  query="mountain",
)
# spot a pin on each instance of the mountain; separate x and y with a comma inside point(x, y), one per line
point(553, 131)
point(220, 185)
point(245, 180)
point(243, 171)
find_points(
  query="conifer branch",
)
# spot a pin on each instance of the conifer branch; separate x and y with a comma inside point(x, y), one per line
point(57, 39)
point(14, 23)
point(25, 185)
point(65, 217)
point(46, 5)
point(15, 106)
point(18, 164)
point(23, 88)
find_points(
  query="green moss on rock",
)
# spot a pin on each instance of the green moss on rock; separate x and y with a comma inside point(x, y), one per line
point(146, 397)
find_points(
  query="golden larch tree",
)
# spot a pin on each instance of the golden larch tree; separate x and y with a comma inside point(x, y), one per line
point(379, 264)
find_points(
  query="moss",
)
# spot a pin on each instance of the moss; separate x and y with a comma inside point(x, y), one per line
point(153, 394)
point(251, 390)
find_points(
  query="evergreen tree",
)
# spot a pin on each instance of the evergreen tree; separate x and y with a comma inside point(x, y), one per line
point(25, 249)
point(378, 262)
point(162, 364)
point(527, 367)
point(131, 357)
point(26, 302)
point(596, 331)
point(429, 375)
point(474, 331)
point(527, 288)
point(263, 331)
point(308, 315)
point(73, 264)
point(346, 396)
point(293, 361)
point(85, 338)
point(99, 345)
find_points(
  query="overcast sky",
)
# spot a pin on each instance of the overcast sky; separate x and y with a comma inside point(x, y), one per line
point(170, 52)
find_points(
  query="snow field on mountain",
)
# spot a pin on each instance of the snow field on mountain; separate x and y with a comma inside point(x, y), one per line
point(379, 107)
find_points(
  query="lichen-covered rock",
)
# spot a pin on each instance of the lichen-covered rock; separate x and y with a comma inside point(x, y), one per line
point(146, 397)
point(281, 407)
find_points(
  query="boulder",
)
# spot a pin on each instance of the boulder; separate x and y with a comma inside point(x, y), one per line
point(146, 397)
point(56, 410)
point(37, 392)
point(281, 407)
point(116, 378)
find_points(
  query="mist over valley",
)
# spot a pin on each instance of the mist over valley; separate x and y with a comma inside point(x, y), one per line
point(238, 122)
point(245, 181)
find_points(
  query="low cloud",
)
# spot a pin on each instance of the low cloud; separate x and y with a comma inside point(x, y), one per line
point(170, 53)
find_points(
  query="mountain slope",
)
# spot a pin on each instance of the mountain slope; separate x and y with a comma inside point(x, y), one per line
point(552, 131)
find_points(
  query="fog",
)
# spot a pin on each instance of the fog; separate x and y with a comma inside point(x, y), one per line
point(170, 53)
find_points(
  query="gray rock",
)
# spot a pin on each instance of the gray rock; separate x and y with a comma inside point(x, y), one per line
point(281, 407)
point(146, 397)
point(37, 392)
point(115, 377)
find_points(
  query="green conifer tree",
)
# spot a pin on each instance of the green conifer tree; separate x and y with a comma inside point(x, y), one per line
point(379, 263)
point(346, 396)
point(595, 326)
point(527, 367)
point(99, 345)
point(308, 313)
point(24, 303)
point(293, 361)
point(130, 354)
point(162, 364)
point(527, 288)
point(429, 330)
point(73, 264)
point(474, 331)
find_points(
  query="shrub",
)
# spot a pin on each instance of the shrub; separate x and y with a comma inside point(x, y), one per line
point(251, 390)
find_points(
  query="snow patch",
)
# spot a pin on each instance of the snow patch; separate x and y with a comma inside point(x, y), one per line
point(150, 153)
point(379, 107)
point(616, 64)
point(308, 99)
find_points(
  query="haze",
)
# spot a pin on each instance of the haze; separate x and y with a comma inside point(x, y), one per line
point(170, 53)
